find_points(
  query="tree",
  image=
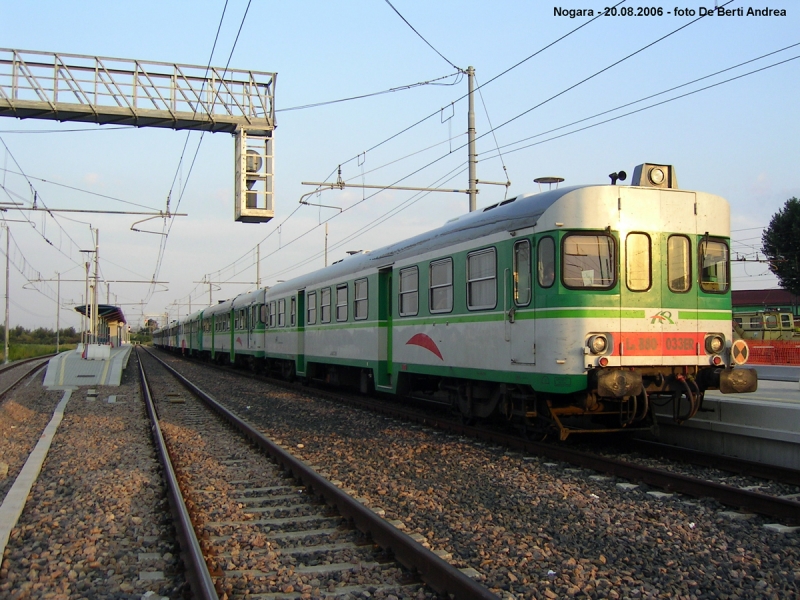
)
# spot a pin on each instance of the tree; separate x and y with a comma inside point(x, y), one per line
point(781, 243)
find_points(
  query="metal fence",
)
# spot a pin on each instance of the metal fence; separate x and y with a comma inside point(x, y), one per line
point(773, 352)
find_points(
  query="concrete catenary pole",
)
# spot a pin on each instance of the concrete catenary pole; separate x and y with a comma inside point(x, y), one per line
point(8, 249)
point(58, 312)
point(95, 320)
point(473, 155)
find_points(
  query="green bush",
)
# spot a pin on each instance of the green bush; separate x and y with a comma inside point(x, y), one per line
point(20, 351)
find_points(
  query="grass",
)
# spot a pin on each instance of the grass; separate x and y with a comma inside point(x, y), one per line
point(20, 351)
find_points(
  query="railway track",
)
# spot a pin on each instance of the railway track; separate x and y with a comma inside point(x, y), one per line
point(269, 525)
point(738, 498)
point(10, 376)
point(23, 421)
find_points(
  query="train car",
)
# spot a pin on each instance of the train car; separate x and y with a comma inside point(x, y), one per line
point(220, 337)
point(571, 310)
point(247, 347)
point(765, 325)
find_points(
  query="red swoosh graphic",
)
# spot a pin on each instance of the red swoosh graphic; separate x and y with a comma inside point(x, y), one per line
point(239, 341)
point(424, 341)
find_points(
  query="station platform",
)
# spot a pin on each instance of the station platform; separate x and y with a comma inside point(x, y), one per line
point(763, 426)
point(70, 370)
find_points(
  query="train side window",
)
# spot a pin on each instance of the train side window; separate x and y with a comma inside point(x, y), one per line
point(522, 273)
point(638, 262)
point(713, 255)
point(311, 309)
point(786, 321)
point(679, 264)
point(409, 291)
point(755, 322)
point(441, 286)
point(272, 314)
point(341, 302)
point(281, 313)
point(546, 264)
point(360, 305)
point(264, 314)
point(292, 311)
point(588, 261)
point(325, 305)
point(482, 279)
point(771, 321)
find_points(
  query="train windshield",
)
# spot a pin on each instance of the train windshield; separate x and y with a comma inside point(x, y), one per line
point(589, 261)
point(714, 266)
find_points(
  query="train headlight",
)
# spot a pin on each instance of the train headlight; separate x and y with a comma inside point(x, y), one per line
point(656, 176)
point(715, 343)
point(597, 344)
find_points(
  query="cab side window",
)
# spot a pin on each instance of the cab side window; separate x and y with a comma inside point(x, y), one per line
point(546, 263)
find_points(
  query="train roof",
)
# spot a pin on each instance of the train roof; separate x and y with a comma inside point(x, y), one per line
point(519, 212)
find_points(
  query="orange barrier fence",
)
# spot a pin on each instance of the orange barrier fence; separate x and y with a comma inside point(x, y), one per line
point(773, 352)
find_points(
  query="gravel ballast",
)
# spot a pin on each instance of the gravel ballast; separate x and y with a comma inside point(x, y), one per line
point(531, 528)
point(96, 524)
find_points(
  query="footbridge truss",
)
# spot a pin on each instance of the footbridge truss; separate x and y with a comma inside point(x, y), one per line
point(102, 90)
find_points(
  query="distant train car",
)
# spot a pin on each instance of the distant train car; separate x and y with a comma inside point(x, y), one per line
point(764, 325)
point(571, 310)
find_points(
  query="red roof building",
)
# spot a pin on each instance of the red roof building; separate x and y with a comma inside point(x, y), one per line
point(754, 300)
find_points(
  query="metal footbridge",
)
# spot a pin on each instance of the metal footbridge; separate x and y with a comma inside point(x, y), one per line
point(103, 90)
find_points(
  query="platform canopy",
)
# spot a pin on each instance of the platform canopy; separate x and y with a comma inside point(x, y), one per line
point(107, 312)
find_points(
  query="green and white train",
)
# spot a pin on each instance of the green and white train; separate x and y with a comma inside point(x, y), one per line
point(573, 309)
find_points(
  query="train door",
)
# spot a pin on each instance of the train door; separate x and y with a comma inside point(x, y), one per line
point(641, 304)
point(250, 322)
point(679, 290)
point(384, 375)
point(230, 318)
point(656, 274)
point(213, 336)
point(300, 367)
point(519, 324)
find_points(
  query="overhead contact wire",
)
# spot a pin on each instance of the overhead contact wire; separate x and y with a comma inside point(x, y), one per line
point(448, 61)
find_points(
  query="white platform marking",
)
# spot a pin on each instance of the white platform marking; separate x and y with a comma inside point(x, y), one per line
point(14, 502)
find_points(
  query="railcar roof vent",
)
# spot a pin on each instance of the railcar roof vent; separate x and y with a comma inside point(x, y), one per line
point(549, 181)
point(653, 175)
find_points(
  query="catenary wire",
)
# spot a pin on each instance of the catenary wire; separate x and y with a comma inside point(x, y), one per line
point(77, 189)
point(525, 112)
point(448, 61)
point(408, 128)
point(644, 108)
point(521, 62)
point(39, 198)
point(372, 94)
point(649, 97)
point(165, 238)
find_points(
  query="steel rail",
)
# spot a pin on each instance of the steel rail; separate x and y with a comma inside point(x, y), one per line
point(200, 581)
point(726, 463)
point(674, 482)
point(17, 363)
point(25, 375)
point(434, 571)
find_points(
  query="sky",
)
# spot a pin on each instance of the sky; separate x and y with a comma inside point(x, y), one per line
point(737, 139)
